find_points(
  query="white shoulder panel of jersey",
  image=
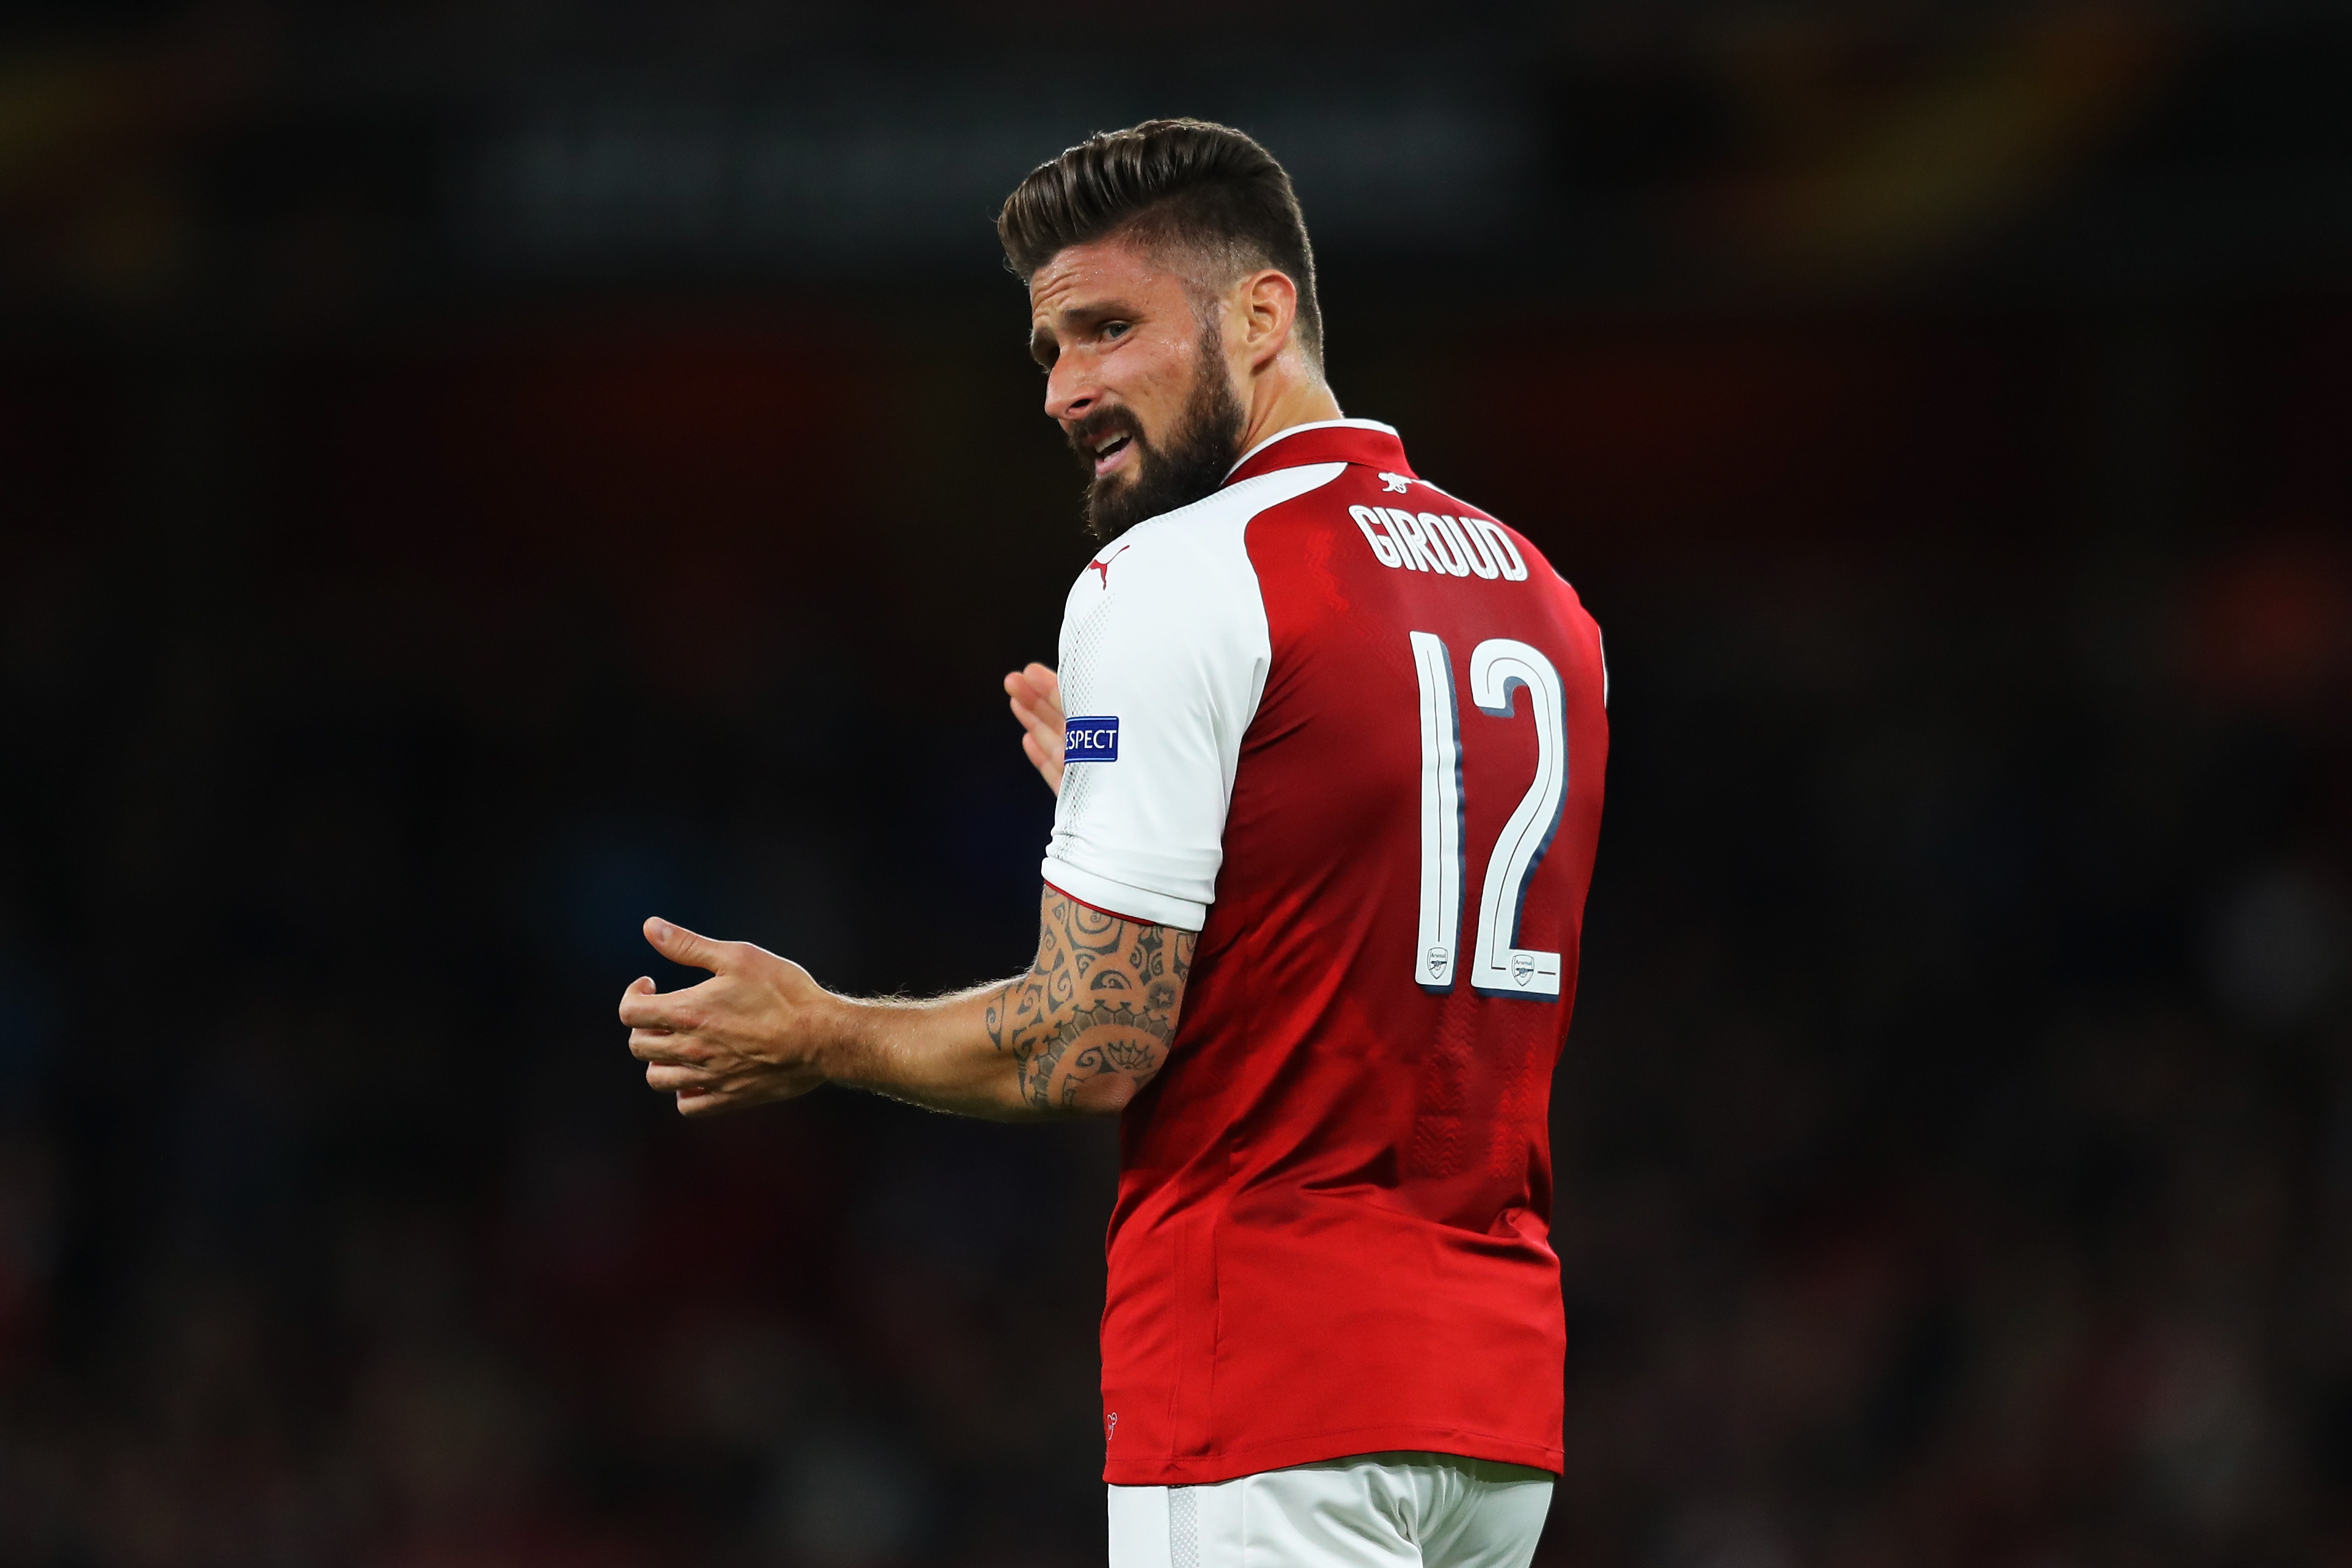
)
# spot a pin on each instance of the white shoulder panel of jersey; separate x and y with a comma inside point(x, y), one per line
point(1164, 656)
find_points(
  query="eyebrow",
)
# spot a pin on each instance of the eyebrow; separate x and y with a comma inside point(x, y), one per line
point(1044, 347)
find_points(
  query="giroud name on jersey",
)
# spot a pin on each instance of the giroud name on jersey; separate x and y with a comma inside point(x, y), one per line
point(1352, 731)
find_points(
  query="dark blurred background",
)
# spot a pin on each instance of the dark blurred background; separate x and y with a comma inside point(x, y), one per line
point(472, 475)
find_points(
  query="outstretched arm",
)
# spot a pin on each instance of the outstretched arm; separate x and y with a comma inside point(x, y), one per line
point(1079, 1034)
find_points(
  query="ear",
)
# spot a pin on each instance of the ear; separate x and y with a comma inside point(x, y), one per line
point(1268, 308)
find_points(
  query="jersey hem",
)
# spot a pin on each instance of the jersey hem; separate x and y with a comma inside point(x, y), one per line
point(1122, 900)
point(1281, 1453)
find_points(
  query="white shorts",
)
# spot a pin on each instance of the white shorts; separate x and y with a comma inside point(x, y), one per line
point(1375, 1510)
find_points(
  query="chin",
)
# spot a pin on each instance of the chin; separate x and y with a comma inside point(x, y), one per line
point(1112, 506)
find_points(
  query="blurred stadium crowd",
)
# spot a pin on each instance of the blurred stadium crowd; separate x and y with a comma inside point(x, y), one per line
point(472, 477)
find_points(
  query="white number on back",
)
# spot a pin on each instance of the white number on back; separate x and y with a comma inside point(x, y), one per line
point(1499, 669)
point(1441, 815)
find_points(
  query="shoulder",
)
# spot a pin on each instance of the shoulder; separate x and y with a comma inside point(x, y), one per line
point(1194, 557)
point(1540, 565)
point(1212, 526)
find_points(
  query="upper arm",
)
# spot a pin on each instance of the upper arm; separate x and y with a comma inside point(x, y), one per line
point(1165, 652)
point(1093, 1019)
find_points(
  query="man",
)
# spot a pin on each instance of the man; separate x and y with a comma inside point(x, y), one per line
point(1330, 785)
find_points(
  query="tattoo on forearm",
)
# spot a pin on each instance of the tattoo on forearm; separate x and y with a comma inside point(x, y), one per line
point(1102, 999)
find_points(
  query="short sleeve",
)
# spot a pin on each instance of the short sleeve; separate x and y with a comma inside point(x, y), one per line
point(1164, 656)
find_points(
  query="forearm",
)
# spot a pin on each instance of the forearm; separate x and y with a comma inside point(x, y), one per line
point(1079, 1034)
point(934, 1054)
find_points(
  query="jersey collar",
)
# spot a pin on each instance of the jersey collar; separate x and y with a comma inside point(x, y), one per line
point(1364, 441)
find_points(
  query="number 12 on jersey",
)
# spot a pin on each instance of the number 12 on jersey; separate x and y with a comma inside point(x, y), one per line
point(1499, 669)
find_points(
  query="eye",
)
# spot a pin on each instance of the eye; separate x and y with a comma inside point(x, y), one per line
point(1115, 330)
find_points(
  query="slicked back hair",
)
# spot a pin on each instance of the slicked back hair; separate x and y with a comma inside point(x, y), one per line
point(1183, 186)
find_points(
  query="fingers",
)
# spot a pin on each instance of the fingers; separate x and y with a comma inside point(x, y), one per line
point(1048, 767)
point(681, 946)
point(633, 1003)
point(672, 1058)
point(1045, 739)
point(1037, 703)
point(691, 1040)
point(705, 1094)
point(642, 1007)
point(675, 1078)
point(1036, 693)
point(1046, 684)
point(1045, 724)
point(709, 1096)
point(661, 1045)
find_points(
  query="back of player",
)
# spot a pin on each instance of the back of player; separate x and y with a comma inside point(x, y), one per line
point(1329, 745)
point(1357, 740)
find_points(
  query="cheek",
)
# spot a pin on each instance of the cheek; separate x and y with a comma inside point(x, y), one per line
point(1153, 376)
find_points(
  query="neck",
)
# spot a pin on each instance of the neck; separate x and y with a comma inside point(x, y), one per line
point(1283, 394)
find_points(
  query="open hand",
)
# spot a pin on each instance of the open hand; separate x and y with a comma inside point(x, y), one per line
point(1036, 693)
point(750, 1034)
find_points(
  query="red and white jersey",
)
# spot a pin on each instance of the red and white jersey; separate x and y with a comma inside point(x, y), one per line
point(1351, 730)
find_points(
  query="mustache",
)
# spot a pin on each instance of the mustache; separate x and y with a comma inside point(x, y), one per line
point(1102, 422)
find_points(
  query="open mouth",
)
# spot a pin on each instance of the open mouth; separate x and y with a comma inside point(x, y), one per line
point(1109, 452)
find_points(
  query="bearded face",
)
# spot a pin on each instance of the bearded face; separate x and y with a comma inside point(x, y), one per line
point(1186, 463)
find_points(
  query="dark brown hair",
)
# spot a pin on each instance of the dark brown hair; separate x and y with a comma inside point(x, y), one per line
point(1168, 185)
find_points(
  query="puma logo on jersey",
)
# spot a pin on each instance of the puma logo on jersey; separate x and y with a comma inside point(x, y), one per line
point(1110, 1425)
point(1431, 541)
point(1396, 484)
point(1102, 566)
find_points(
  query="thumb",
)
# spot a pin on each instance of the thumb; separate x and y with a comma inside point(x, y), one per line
point(681, 946)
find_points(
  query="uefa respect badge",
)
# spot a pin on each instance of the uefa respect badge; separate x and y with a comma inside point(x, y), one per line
point(1090, 740)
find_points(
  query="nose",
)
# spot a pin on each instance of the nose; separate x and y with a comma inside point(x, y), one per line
point(1071, 389)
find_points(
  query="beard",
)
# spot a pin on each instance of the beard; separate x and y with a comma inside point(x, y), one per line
point(1197, 455)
